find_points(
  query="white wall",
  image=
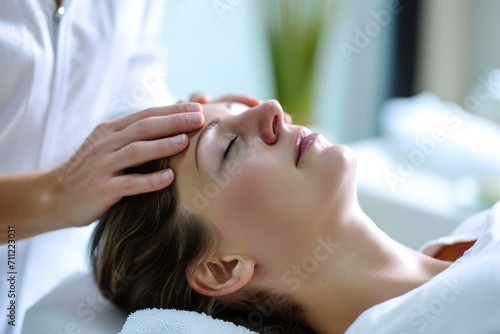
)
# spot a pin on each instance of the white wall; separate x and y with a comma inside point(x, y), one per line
point(217, 47)
point(352, 86)
point(485, 44)
point(445, 48)
point(221, 52)
point(460, 41)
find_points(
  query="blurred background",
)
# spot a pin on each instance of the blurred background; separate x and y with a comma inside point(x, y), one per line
point(413, 86)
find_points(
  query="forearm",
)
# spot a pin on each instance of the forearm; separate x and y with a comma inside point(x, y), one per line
point(27, 203)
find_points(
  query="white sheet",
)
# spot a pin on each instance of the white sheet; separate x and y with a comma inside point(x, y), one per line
point(74, 306)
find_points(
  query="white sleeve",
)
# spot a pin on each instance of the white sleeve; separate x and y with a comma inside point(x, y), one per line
point(144, 85)
point(467, 231)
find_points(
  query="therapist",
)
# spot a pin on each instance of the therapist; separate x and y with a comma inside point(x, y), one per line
point(66, 69)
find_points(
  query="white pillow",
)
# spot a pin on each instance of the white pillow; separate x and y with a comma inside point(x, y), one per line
point(74, 306)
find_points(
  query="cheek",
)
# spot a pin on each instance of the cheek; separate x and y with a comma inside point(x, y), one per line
point(261, 204)
point(261, 187)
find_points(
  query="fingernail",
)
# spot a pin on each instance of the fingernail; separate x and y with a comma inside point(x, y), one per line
point(167, 175)
point(178, 140)
point(194, 118)
point(194, 107)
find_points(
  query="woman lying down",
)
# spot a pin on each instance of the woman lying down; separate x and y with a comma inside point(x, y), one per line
point(262, 228)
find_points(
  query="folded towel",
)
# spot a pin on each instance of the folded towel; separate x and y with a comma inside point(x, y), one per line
point(161, 321)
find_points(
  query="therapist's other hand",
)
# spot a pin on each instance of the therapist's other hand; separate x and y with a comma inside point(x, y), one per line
point(93, 179)
point(204, 98)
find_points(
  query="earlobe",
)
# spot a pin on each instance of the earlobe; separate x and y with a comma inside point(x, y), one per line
point(222, 276)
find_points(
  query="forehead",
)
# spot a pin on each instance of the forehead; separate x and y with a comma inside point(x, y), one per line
point(215, 110)
point(183, 163)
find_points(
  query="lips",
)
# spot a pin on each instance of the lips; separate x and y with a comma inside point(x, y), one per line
point(302, 142)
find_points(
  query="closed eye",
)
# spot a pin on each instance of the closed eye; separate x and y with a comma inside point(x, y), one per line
point(228, 148)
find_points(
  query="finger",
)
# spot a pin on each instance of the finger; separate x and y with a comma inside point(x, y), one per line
point(158, 127)
point(244, 99)
point(123, 122)
point(288, 118)
point(200, 97)
point(180, 101)
point(133, 184)
point(137, 153)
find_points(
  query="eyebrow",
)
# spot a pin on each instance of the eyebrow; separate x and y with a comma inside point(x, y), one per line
point(204, 131)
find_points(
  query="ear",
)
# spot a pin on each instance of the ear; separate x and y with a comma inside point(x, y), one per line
point(222, 276)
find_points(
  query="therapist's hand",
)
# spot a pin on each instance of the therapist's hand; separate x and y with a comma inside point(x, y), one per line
point(93, 179)
point(204, 98)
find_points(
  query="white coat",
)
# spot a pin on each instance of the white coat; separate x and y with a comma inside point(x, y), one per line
point(58, 80)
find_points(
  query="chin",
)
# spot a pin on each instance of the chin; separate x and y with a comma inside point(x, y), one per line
point(338, 167)
point(341, 157)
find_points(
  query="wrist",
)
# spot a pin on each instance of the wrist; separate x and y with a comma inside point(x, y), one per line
point(29, 202)
point(51, 193)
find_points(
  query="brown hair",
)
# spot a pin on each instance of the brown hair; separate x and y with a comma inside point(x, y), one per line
point(142, 247)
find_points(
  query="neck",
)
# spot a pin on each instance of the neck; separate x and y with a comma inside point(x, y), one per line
point(366, 269)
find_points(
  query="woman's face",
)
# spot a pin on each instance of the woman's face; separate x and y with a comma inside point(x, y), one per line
point(241, 172)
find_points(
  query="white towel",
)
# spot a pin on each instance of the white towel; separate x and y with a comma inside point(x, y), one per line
point(161, 321)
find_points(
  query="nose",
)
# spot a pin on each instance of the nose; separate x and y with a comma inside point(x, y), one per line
point(268, 119)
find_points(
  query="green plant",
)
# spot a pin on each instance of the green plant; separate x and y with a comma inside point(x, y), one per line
point(295, 28)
